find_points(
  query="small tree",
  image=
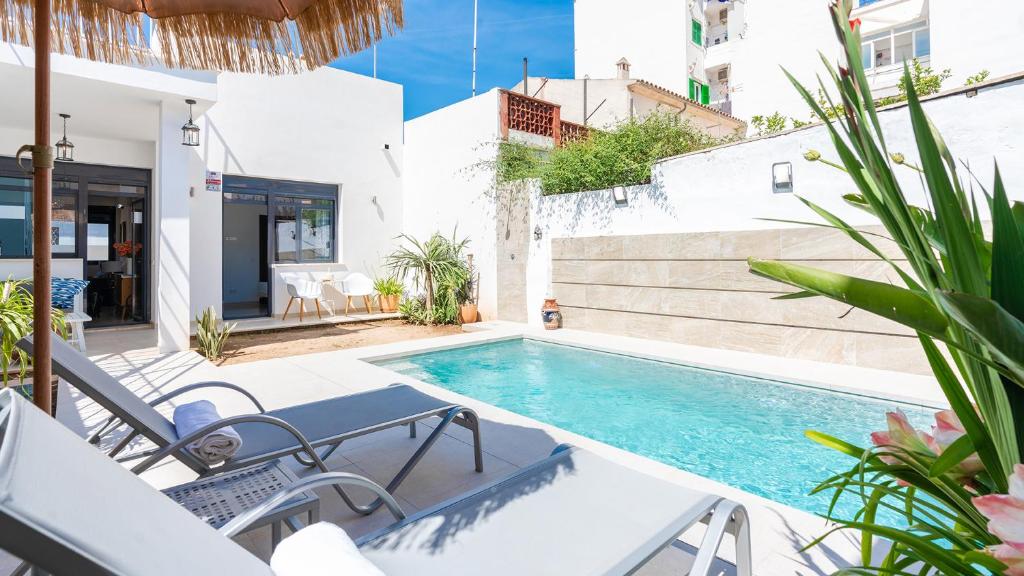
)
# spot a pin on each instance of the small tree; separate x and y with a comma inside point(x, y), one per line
point(436, 266)
point(767, 125)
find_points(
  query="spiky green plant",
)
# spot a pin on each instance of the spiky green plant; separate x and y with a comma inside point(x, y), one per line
point(436, 266)
point(212, 335)
point(16, 323)
point(389, 286)
point(962, 292)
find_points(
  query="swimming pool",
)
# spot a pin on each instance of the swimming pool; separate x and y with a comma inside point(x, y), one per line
point(741, 431)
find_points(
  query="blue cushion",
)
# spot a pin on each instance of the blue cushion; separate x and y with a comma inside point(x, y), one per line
point(64, 291)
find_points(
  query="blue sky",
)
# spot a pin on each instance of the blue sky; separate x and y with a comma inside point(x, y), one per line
point(432, 56)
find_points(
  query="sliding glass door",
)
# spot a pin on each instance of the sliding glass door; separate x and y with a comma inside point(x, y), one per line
point(99, 216)
point(270, 222)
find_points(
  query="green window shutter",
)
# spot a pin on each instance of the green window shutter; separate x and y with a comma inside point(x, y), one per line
point(705, 94)
point(693, 87)
point(697, 33)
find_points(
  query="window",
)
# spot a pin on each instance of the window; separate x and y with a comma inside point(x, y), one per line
point(285, 235)
point(696, 32)
point(922, 43)
point(883, 51)
point(700, 92)
point(896, 46)
point(16, 217)
point(99, 242)
point(302, 216)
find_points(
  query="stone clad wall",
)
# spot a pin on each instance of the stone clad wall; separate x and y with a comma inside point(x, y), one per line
point(696, 289)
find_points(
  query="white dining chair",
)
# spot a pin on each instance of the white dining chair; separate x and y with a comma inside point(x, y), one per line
point(354, 285)
point(301, 289)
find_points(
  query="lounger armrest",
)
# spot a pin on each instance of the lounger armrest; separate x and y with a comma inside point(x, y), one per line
point(181, 443)
point(211, 384)
point(114, 422)
point(241, 522)
point(727, 517)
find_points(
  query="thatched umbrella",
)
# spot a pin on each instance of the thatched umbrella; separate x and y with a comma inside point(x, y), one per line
point(269, 36)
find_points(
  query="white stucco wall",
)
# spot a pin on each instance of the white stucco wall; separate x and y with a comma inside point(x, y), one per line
point(654, 35)
point(127, 117)
point(766, 35)
point(446, 185)
point(729, 188)
point(327, 126)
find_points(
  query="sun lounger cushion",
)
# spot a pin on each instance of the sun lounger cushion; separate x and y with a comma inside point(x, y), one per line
point(213, 447)
point(321, 549)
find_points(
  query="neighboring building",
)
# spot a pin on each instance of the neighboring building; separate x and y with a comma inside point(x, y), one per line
point(311, 181)
point(603, 103)
point(745, 42)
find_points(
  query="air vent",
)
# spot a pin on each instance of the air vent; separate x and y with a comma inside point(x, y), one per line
point(723, 74)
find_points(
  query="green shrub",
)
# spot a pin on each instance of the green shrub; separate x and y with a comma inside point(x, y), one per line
point(438, 267)
point(389, 286)
point(619, 157)
point(766, 125)
point(16, 323)
point(210, 335)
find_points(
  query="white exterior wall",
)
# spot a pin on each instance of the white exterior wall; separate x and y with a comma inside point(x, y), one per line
point(327, 126)
point(324, 126)
point(449, 181)
point(782, 33)
point(127, 117)
point(985, 35)
point(654, 35)
point(766, 35)
point(729, 188)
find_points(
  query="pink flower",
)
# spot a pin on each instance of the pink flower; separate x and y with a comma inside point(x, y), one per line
point(949, 429)
point(1012, 557)
point(902, 435)
point(1005, 513)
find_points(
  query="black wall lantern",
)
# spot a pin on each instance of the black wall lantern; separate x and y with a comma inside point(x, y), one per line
point(65, 149)
point(190, 132)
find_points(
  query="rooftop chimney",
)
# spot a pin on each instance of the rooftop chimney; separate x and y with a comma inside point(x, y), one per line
point(622, 66)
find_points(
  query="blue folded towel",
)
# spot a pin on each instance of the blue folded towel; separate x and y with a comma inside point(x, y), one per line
point(214, 447)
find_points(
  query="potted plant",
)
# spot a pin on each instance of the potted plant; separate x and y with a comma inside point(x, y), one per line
point(15, 324)
point(389, 290)
point(467, 294)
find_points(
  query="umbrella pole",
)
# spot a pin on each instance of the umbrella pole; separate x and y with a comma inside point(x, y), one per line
point(42, 161)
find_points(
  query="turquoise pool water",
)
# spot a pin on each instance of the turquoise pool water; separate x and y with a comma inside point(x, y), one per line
point(744, 432)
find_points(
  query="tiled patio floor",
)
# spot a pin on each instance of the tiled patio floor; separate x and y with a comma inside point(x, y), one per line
point(510, 441)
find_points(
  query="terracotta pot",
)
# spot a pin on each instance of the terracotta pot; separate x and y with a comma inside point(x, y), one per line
point(551, 315)
point(468, 313)
point(389, 303)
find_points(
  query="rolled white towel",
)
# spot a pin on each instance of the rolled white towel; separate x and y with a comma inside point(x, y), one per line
point(214, 447)
point(321, 549)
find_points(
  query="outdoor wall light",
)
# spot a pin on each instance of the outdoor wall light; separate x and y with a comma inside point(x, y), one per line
point(65, 149)
point(782, 177)
point(190, 132)
point(538, 233)
point(619, 196)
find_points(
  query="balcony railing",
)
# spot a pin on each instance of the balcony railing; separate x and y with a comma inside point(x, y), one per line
point(523, 113)
point(573, 132)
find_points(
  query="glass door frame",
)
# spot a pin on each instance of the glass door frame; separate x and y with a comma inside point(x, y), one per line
point(85, 174)
point(250, 186)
